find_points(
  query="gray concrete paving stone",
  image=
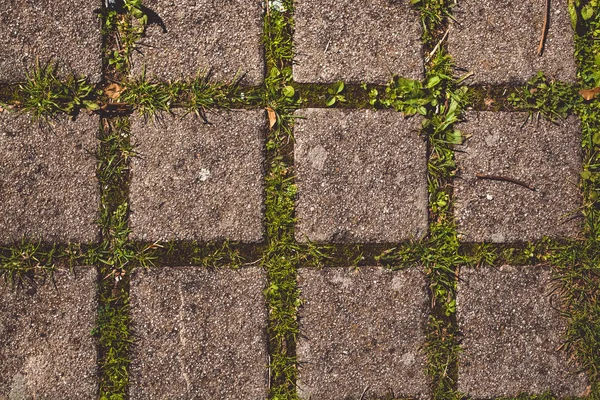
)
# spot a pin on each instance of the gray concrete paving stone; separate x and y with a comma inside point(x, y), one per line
point(67, 32)
point(539, 153)
point(48, 182)
point(46, 347)
point(356, 41)
point(201, 334)
point(362, 333)
point(224, 36)
point(498, 41)
point(195, 181)
point(361, 176)
point(512, 329)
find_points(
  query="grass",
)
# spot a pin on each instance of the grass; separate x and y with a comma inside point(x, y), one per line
point(439, 99)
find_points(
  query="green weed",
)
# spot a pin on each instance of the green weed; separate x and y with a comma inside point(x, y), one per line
point(44, 93)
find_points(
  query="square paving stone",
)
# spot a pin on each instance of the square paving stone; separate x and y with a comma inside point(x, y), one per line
point(362, 333)
point(48, 183)
point(202, 334)
point(46, 347)
point(66, 32)
point(368, 41)
point(541, 154)
point(361, 176)
point(223, 36)
point(197, 181)
point(512, 329)
point(498, 41)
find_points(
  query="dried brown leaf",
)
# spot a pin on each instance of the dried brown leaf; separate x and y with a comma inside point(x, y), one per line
point(589, 94)
point(272, 117)
point(113, 91)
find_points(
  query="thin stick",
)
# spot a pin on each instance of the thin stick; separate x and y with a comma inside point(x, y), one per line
point(544, 29)
point(363, 393)
point(505, 179)
point(437, 46)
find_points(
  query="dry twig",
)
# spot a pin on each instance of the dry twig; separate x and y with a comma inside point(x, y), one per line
point(544, 28)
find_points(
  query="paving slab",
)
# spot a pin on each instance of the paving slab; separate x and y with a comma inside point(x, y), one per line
point(66, 32)
point(362, 333)
point(356, 41)
point(223, 36)
point(204, 337)
point(541, 154)
point(498, 41)
point(361, 176)
point(48, 183)
point(512, 329)
point(46, 347)
point(197, 181)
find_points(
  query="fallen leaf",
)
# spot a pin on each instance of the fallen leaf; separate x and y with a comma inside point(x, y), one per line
point(272, 117)
point(488, 102)
point(113, 91)
point(589, 94)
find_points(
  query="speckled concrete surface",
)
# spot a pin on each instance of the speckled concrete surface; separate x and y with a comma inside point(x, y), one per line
point(539, 153)
point(362, 333)
point(356, 41)
point(46, 349)
point(48, 183)
point(65, 32)
point(224, 36)
point(361, 176)
point(511, 330)
point(498, 41)
point(202, 334)
point(194, 181)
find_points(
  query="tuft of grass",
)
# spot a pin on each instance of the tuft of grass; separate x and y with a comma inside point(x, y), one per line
point(22, 264)
point(44, 94)
point(550, 99)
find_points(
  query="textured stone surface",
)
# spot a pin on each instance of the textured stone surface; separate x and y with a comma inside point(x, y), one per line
point(48, 183)
point(46, 347)
point(224, 36)
point(362, 330)
point(356, 41)
point(194, 181)
point(498, 40)
point(65, 32)
point(361, 176)
point(541, 154)
point(202, 338)
point(512, 329)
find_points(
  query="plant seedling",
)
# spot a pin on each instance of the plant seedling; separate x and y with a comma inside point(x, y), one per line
point(335, 94)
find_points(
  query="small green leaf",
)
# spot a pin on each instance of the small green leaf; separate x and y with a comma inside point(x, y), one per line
point(433, 81)
point(587, 12)
point(90, 105)
point(596, 137)
point(586, 175)
point(338, 87)
point(288, 91)
point(330, 101)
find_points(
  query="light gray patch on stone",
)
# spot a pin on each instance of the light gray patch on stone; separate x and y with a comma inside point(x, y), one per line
point(356, 41)
point(361, 176)
point(362, 329)
point(223, 36)
point(48, 182)
point(197, 181)
point(498, 41)
point(512, 328)
point(66, 32)
point(539, 153)
point(201, 334)
point(46, 347)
